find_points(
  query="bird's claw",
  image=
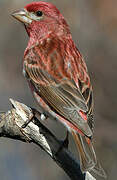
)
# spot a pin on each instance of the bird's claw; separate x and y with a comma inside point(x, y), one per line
point(30, 119)
point(35, 114)
point(27, 122)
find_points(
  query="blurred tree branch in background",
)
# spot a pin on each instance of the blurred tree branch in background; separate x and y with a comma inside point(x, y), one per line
point(11, 127)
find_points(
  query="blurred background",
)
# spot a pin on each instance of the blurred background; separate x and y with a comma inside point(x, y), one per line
point(94, 29)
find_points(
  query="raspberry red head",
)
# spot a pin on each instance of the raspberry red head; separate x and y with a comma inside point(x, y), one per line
point(47, 8)
point(40, 18)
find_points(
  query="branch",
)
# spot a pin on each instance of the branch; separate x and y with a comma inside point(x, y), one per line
point(11, 127)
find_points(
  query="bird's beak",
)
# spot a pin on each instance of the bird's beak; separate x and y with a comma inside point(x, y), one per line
point(22, 16)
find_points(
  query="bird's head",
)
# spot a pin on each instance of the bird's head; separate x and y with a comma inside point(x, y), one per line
point(41, 18)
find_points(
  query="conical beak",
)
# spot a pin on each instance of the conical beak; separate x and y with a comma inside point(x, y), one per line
point(22, 16)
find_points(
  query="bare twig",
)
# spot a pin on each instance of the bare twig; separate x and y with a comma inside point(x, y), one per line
point(11, 127)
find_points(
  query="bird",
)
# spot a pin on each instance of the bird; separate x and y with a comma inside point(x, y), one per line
point(58, 77)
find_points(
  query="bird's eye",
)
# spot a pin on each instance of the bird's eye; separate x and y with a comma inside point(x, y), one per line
point(39, 13)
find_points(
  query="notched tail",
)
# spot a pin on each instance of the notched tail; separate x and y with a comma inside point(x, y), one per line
point(99, 170)
point(86, 152)
point(87, 155)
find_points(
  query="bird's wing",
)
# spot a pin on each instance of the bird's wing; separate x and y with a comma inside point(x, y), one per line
point(64, 97)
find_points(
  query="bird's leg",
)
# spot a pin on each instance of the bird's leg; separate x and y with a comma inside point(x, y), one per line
point(35, 114)
point(64, 143)
point(30, 119)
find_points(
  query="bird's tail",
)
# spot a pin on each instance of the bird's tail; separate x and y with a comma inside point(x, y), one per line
point(99, 170)
point(87, 155)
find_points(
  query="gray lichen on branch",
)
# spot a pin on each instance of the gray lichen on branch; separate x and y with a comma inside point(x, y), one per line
point(11, 127)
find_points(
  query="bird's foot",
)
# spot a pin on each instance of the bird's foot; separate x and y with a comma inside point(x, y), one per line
point(35, 113)
point(30, 119)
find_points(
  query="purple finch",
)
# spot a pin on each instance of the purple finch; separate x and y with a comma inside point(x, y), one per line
point(58, 76)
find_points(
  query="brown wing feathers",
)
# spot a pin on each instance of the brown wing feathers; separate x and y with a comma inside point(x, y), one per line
point(58, 90)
